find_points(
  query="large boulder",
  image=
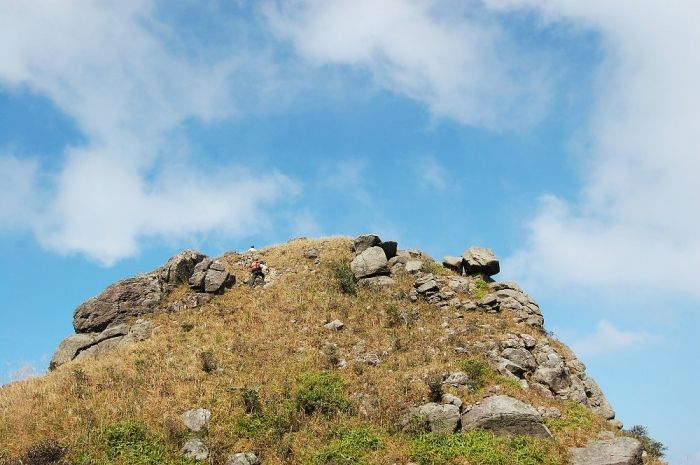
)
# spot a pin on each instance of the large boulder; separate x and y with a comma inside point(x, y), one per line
point(390, 248)
point(453, 263)
point(69, 348)
point(180, 267)
point(480, 260)
point(596, 400)
point(434, 417)
point(505, 415)
point(130, 297)
point(211, 276)
point(617, 451)
point(371, 262)
point(364, 242)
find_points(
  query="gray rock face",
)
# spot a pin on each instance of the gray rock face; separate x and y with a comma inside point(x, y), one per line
point(438, 418)
point(211, 277)
point(597, 400)
point(377, 282)
point(480, 260)
point(618, 451)
point(505, 415)
point(97, 345)
point(242, 458)
point(371, 262)
point(453, 263)
point(413, 266)
point(179, 268)
point(196, 419)
point(364, 242)
point(130, 297)
point(194, 449)
point(389, 248)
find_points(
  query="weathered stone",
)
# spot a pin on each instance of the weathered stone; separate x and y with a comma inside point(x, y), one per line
point(402, 257)
point(450, 399)
point(196, 281)
point(430, 286)
point(311, 254)
point(130, 297)
point(618, 451)
point(505, 415)
point(364, 242)
point(242, 458)
point(390, 248)
point(217, 280)
point(596, 400)
point(196, 419)
point(371, 358)
point(371, 262)
point(194, 449)
point(437, 418)
point(180, 267)
point(377, 282)
point(480, 260)
point(335, 325)
point(100, 349)
point(69, 348)
point(520, 356)
point(139, 331)
point(413, 266)
point(453, 263)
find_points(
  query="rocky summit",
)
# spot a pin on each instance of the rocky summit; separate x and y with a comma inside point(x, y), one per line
point(352, 351)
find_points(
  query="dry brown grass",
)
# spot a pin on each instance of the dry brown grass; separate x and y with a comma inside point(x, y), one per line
point(261, 338)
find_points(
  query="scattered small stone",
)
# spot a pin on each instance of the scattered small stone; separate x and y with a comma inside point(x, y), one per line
point(335, 325)
point(194, 449)
point(196, 419)
point(242, 458)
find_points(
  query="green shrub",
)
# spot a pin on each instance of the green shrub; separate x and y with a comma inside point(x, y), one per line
point(344, 277)
point(130, 442)
point(574, 416)
point(483, 448)
point(350, 448)
point(481, 288)
point(654, 448)
point(321, 392)
point(251, 401)
point(477, 370)
point(269, 423)
point(433, 267)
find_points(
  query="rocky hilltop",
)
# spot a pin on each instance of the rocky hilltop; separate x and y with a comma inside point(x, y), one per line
point(351, 352)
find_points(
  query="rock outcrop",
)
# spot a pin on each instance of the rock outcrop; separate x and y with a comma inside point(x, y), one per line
point(434, 417)
point(617, 451)
point(505, 415)
point(370, 262)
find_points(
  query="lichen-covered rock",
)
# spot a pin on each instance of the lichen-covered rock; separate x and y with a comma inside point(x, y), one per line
point(480, 260)
point(371, 262)
point(618, 451)
point(242, 458)
point(505, 415)
point(194, 449)
point(434, 417)
point(196, 419)
point(364, 242)
point(180, 267)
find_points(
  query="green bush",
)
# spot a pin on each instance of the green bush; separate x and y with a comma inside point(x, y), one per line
point(654, 448)
point(321, 392)
point(477, 370)
point(483, 448)
point(574, 416)
point(350, 448)
point(481, 288)
point(435, 268)
point(272, 422)
point(130, 442)
point(344, 277)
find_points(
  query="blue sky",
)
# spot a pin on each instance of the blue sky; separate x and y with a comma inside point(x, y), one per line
point(563, 134)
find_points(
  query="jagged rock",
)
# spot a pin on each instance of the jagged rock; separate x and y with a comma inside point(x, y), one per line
point(480, 260)
point(549, 412)
point(596, 400)
point(311, 254)
point(520, 356)
point(211, 276)
point(618, 451)
point(196, 419)
point(371, 358)
point(453, 263)
point(190, 300)
point(371, 262)
point(402, 257)
point(130, 297)
point(364, 242)
point(69, 348)
point(242, 458)
point(196, 281)
point(377, 282)
point(335, 325)
point(489, 303)
point(139, 331)
point(390, 248)
point(194, 449)
point(453, 400)
point(180, 267)
point(505, 415)
point(438, 418)
point(413, 266)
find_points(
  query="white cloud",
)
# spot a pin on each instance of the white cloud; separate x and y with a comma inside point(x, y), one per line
point(447, 55)
point(18, 178)
point(635, 223)
point(432, 173)
point(609, 339)
point(129, 85)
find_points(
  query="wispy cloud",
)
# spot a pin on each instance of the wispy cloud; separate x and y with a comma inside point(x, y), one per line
point(635, 222)
point(452, 58)
point(432, 173)
point(608, 339)
point(122, 76)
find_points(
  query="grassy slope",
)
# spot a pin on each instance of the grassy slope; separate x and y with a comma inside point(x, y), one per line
point(266, 339)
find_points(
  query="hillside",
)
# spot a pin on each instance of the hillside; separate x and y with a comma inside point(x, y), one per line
point(417, 362)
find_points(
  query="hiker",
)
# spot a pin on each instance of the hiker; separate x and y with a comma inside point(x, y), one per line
point(257, 270)
point(252, 249)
